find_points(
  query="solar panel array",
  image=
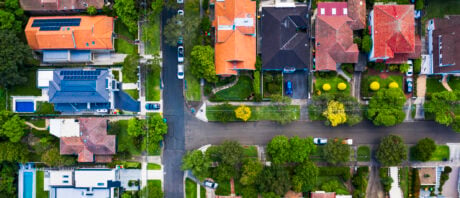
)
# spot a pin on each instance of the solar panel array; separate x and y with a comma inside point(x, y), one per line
point(80, 73)
point(80, 77)
point(55, 24)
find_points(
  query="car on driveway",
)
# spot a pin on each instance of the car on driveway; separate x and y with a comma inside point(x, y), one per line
point(180, 71)
point(288, 88)
point(180, 1)
point(409, 85)
point(320, 141)
point(410, 71)
point(180, 54)
point(152, 106)
point(210, 184)
point(180, 12)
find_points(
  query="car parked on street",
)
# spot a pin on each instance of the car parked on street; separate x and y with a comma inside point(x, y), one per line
point(180, 40)
point(288, 88)
point(180, 1)
point(180, 12)
point(180, 54)
point(180, 71)
point(409, 85)
point(152, 106)
point(210, 184)
point(320, 141)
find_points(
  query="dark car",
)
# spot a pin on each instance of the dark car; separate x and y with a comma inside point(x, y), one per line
point(409, 85)
point(152, 106)
point(288, 87)
point(180, 54)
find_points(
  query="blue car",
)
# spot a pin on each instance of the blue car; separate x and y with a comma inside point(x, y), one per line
point(152, 106)
point(288, 87)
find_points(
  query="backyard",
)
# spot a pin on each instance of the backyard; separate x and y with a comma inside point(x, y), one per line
point(271, 113)
point(40, 193)
point(437, 8)
point(384, 82)
point(333, 82)
point(153, 92)
point(241, 91)
point(124, 141)
point(29, 88)
point(123, 43)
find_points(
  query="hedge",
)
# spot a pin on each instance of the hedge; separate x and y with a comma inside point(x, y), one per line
point(342, 172)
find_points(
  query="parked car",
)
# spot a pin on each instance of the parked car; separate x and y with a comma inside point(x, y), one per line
point(180, 12)
point(409, 85)
point(180, 71)
point(102, 110)
point(347, 141)
point(152, 106)
point(320, 141)
point(180, 54)
point(210, 184)
point(288, 87)
point(180, 40)
point(410, 71)
point(180, 1)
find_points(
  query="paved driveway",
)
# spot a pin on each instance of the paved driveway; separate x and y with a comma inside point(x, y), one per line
point(299, 84)
point(450, 187)
point(129, 174)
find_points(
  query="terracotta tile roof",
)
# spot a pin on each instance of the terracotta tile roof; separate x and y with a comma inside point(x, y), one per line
point(427, 176)
point(448, 29)
point(394, 30)
point(92, 141)
point(332, 9)
point(334, 42)
point(322, 194)
point(93, 32)
point(235, 47)
point(357, 12)
point(50, 5)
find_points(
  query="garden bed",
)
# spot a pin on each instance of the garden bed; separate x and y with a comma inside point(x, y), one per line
point(272, 84)
point(333, 82)
point(368, 79)
point(241, 91)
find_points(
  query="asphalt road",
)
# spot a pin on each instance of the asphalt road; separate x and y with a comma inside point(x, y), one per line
point(173, 102)
point(199, 133)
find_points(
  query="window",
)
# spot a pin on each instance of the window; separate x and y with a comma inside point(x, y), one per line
point(65, 176)
point(100, 184)
point(345, 12)
point(65, 181)
point(323, 11)
point(334, 11)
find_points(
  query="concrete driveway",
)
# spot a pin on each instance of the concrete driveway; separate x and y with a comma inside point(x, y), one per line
point(450, 187)
point(299, 81)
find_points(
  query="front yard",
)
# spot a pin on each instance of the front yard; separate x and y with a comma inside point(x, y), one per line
point(383, 82)
point(241, 91)
point(454, 82)
point(151, 34)
point(153, 91)
point(134, 93)
point(441, 153)
point(364, 154)
point(433, 85)
point(124, 141)
point(190, 189)
point(258, 113)
point(193, 89)
point(333, 83)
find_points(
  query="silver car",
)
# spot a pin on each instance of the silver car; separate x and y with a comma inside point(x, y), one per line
point(180, 71)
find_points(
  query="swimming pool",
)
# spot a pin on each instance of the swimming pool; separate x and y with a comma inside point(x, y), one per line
point(28, 184)
point(25, 106)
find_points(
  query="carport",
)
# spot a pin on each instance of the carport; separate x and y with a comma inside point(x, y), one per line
point(299, 81)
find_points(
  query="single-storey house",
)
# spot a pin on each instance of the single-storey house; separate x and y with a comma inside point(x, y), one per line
point(59, 6)
point(70, 39)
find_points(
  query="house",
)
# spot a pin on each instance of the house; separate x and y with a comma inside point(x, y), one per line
point(235, 36)
point(393, 34)
point(77, 91)
point(323, 194)
point(284, 38)
point(334, 34)
point(81, 183)
point(427, 176)
point(443, 46)
point(70, 39)
point(85, 137)
point(59, 6)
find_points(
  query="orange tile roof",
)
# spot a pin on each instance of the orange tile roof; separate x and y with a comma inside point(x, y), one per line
point(235, 47)
point(94, 32)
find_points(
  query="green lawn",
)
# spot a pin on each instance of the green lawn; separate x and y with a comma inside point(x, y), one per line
point(39, 177)
point(260, 113)
point(250, 151)
point(223, 188)
point(134, 93)
point(317, 155)
point(433, 85)
point(29, 88)
point(193, 91)
point(202, 192)
point(153, 92)
point(124, 141)
point(334, 81)
point(38, 122)
point(190, 189)
point(124, 47)
point(437, 8)
point(323, 179)
point(155, 182)
point(120, 28)
point(442, 152)
point(364, 154)
point(153, 166)
point(151, 34)
point(454, 82)
point(240, 91)
point(3, 99)
point(404, 183)
point(45, 108)
point(367, 80)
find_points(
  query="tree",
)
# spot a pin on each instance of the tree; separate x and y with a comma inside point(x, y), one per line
point(251, 170)
point(157, 128)
point(330, 186)
point(335, 113)
point(135, 127)
point(305, 176)
point(301, 149)
point(366, 43)
point(8, 176)
point(442, 105)
point(157, 6)
point(152, 191)
point(13, 53)
point(391, 151)
point(128, 13)
point(424, 149)
point(13, 152)
point(386, 107)
point(11, 126)
point(178, 26)
point(278, 149)
point(419, 4)
point(11, 16)
point(231, 152)
point(202, 63)
point(198, 162)
point(243, 112)
point(91, 10)
point(358, 41)
point(403, 68)
point(274, 179)
point(456, 123)
point(335, 152)
point(53, 158)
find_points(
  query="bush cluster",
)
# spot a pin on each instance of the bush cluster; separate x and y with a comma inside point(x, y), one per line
point(342, 172)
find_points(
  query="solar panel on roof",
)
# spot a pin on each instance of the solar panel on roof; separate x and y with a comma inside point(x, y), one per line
point(80, 73)
point(80, 77)
point(55, 24)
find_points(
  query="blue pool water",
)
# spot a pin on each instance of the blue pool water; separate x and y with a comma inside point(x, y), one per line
point(28, 184)
point(24, 107)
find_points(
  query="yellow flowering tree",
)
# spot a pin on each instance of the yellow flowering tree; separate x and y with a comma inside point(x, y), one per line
point(335, 113)
point(243, 112)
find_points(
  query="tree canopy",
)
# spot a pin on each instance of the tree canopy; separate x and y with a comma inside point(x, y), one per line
point(442, 104)
point(13, 152)
point(11, 126)
point(335, 113)
point(128, 13)
point(424, 149)
point(13, 53)
point(278, 149)
point(178, 26)
point(198, 163)
point(321, 103)
point(8, 185)
point(157, 128)
point(11, 16)
point(250, 171)
point(386, 107)
point(53, 158)
point(336, 152)
point(391, 151)
point(274, 179)
point(283, 150)
point(202, 63)
point(305, 176)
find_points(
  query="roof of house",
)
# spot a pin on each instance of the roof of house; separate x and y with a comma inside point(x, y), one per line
point(357, 12)
point(400, 58)
point(235, 48)
point(427, 176)
point(332, 9)
point(94, 178)
point(394, 30)
point(79, 86)
point(284, 40)
point(322, 194)
point(334, 42)
point(448, 29)
point(70, 32)
point(45, 5)
point(93, 140)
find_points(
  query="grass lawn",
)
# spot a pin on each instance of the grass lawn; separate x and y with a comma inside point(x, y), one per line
point(190, 189)
point(260, 113)
point(323, 179)
point(223, 188)
point(116, 74)
point(317, 155)
point(334, 81)
point(202, 192)
point(40, 193)
point(442, 152)
point(121, 28)
point(45, 108)
point(124, 47)
point(3, 99)
point(151, 33)
point(153, 166)
point(367, 80)
point(38, 122)
point(134, 93)
point(433, 85)
point(153, 91)
point(124, 141)
point(29, 88)
point(250, 151)
point(240, 91)
point(454, 82)
point(404, 183)
point(364, 154)
point(437, 8)
point(193, 91)
point(154, 182)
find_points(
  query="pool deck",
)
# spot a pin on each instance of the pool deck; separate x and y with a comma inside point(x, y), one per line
point(21, 181)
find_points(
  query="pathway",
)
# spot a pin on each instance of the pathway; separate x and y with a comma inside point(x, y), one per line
point(420, 101)
point(445, 84)
point(421, 86)
point(130, 86)
point(395, 191)
point(408, 110)
point(217, 89)
point(36, 128)
point(374, 187)
point(343, 74)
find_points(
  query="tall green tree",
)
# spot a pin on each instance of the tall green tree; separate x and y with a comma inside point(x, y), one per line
point(11, 126)
point(53, 158)
point(391, 151)
point(198, 163)
point(157, 128)
point(301, 149)
point(157, 6)
point(136, 127)
point(128, 13)
point(278, 149)
point(91, 10)
point(13, 53)
point(305, 176)
point(231, 153)
point(202, 63)
point(250, 171)
point(13, 152)
point(11, 16)
point(424, 149)
point(442, 105)
point(366, 43)
point(386, 107)
point(274, 179)
point(336, 152)
point(180, 26)
point(8, 175)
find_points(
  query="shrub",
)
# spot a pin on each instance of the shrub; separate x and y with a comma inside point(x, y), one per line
point(403, 68)
point(419, 4)
point(91, 10)
point(225, 112)
point(256, 86)
point(393, 85)
point(358, 42)
point(243, 112)
point(366, 43)
point(326, 87)
point(417, 65)
point(348, 67)
point(375, 86)
point(342, 86)
point(342, 172)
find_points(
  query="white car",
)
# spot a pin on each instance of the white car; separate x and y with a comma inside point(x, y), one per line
point(320, 141)
point(180, 12)
point(180, 71)
point(180, 1)
point(410, 71)
point(210, 184)
point(102, 110)
point(347, 141)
